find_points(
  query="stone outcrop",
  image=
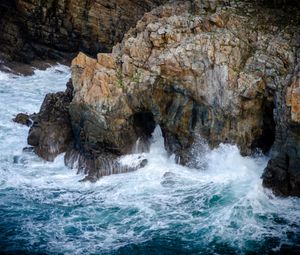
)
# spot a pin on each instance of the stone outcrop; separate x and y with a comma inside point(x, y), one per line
point(225, 70)
point(51, 132)
point(283, 171)
point(222, 70)
point(58, 29)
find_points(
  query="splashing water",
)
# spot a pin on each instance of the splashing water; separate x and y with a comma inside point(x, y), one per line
point(163, 208)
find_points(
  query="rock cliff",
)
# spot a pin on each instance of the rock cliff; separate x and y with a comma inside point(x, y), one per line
point(58, 29)
point(225, 70)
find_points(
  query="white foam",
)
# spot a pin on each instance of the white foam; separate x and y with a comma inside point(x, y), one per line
point(222, 199)
point(4, 76)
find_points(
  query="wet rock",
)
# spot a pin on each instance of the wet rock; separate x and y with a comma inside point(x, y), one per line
point(283, 171)
point(282, 175)
point(136, 162)
point(102, 164)
point(28, 149)
point(89, 178)
point(51, 132)
point(143, 163)
point(19, 68)
point(23, 119)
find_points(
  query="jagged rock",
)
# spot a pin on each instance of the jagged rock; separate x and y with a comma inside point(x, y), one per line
point(194, 67)
point(96, 166)
point(28, 149)
point(23, 119)
point(51, 29)
point(51, 132)
point(283, 171)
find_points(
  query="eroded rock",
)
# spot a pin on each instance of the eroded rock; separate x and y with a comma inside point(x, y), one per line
point(199, 67)
point(51, 132)
point(228, 72)
point(51, 29)
point(283, 171)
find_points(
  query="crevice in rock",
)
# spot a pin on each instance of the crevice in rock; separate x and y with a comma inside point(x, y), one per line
point(265, 141)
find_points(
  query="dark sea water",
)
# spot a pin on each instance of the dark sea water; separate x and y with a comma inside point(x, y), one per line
point(163, 208)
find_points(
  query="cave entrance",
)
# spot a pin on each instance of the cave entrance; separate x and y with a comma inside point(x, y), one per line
point(267, 138)
point(144, 125)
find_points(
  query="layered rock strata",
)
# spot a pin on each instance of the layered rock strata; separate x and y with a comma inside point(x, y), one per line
point(58, 29)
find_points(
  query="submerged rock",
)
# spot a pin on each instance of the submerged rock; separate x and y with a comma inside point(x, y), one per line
point(168, 179)
point(28, 149)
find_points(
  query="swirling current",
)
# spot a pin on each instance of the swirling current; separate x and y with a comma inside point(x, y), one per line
point(163, 208)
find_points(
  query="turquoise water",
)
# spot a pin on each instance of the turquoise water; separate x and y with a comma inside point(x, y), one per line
point(163, 208)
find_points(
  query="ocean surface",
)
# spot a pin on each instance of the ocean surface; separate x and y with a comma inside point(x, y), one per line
point(163, 208)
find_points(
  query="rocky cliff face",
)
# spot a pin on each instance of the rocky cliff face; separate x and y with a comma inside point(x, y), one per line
point(58, 29)
point(227, 71)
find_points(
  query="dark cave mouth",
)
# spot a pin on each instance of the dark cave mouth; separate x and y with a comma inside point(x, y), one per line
point(144, 124)
point(266, 140)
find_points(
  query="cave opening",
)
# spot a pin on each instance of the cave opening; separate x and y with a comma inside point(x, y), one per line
point(144, 124)
point(267, 138)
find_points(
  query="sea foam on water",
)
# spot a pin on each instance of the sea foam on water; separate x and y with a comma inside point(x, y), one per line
point(217, 206)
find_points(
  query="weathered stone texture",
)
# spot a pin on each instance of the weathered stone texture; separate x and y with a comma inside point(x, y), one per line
point(51, 132)
point(58, 29)
point(219, 69)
